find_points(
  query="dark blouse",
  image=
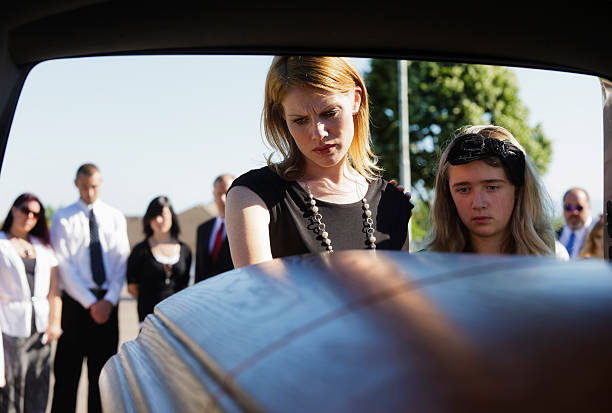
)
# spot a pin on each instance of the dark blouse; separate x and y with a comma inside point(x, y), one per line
point(30, 267)
point(156, 283)
point(292, 228)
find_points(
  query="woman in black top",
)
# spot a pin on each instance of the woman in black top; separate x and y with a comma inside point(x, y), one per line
point(158, 266)
point(325, 194)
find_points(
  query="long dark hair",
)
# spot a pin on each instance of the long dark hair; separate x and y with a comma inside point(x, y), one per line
point(40, 230)
point(155, 208)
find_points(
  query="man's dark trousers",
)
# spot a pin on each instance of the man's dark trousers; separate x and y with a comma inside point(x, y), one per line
point(82, 337)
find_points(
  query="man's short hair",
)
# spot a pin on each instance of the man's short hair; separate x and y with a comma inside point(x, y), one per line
point(586, 194)
point(221, 177)
point(87, 169)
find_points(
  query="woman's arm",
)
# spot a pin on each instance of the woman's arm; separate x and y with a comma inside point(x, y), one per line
point(54, 329)
point(406, 246)
point(133, 290)
point(182, 280)
point(247, 219)
point(132, 273)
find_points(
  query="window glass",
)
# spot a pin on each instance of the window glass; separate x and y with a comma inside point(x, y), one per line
point(170, 124)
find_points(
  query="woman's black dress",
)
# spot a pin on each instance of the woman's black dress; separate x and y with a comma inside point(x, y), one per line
point(292, 229)
point(155, 280)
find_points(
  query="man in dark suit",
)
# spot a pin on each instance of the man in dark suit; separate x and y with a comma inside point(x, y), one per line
point(212, 249)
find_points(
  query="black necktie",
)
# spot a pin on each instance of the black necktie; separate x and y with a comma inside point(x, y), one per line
point(95, 251)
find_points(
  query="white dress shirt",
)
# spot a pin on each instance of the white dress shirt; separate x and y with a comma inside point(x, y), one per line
point(561, 251)
point(580, 236)
point(70, 238)
point(16, 299)
point(213, 233)
point(2, 379)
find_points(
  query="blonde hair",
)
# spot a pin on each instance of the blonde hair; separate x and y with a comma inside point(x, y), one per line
point(530, 228)
point(330, 74)
point(589, 248)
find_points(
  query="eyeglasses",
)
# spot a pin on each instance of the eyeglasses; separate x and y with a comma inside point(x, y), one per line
point(570, 208)
point(28, 211)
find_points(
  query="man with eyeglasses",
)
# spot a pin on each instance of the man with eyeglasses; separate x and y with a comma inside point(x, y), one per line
point(578, 221)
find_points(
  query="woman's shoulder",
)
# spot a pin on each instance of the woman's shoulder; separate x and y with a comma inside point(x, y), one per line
point(141, 247)
point(265, 183)
point(185, 248)
point(391, 193)
point(256, 177)
point(41, 246)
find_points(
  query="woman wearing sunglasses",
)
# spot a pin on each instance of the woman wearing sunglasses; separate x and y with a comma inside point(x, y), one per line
point(30, 306)
point(488, 199)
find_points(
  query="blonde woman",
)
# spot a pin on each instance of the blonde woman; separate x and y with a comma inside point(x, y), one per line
point(488, 199)
point(593, 243)
point(325, 193)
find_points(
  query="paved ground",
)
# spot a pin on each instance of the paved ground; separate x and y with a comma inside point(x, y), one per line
point(128, 330)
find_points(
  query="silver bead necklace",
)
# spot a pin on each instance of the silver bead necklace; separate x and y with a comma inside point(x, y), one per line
point(368, 223)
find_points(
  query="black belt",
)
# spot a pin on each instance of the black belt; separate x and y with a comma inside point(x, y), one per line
point(98, 292)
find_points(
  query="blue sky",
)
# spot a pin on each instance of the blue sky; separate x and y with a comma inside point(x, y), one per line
point(169, 125)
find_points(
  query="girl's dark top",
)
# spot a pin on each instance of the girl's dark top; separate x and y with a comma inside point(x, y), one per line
point(292, 228)
point(143, 269)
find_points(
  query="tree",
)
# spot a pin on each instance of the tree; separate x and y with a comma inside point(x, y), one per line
point(443, 97)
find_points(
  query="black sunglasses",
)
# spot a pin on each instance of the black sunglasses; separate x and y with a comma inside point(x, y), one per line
point(28, 211)
point(570, 208)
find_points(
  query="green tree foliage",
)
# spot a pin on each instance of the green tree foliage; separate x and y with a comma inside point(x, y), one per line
point(442, 98)
point(49, 211)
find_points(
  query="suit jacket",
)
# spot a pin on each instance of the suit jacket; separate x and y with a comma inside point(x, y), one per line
point(204, 267)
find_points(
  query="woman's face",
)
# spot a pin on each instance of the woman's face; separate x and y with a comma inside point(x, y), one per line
point(484, 198)
point(321, 123)
point(162, 223)
point(25, 216)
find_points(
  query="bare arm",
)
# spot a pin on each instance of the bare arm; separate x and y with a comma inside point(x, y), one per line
point(247, 219)
point(133, 290)
point(406, 246)
point(54, 330)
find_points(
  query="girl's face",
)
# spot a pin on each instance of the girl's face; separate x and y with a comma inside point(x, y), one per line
point(162, 223)
point(321, 123)
point(484, 198)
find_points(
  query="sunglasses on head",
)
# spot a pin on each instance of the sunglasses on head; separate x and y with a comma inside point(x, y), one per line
point(28, 211)
point(570, 208)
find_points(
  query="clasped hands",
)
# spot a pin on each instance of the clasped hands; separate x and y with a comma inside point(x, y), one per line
point(100, 311)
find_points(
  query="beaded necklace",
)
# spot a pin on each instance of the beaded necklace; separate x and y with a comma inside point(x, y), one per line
point(368, 222)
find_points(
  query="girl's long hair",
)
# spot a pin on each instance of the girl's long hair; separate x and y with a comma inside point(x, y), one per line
point(589, 249)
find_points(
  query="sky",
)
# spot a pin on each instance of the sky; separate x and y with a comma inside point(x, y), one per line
point(170, 124)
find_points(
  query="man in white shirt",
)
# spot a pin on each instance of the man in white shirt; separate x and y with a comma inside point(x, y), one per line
point(91, 244)
point(578, 221)
point(212, 248)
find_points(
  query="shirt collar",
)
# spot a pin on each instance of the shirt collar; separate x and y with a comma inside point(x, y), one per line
point(85, 207)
